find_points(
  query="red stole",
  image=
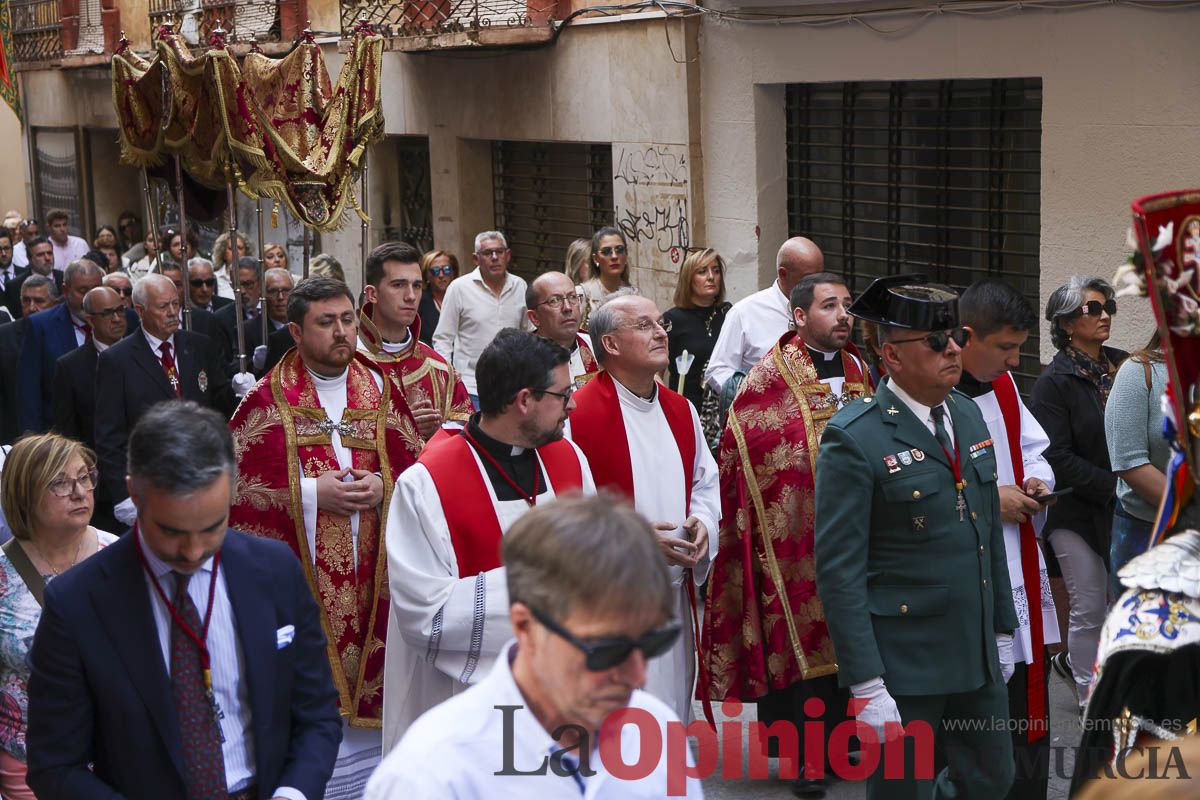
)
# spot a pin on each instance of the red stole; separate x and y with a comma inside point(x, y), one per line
point(599, 429)
point(1010, 409)
point(474, 527)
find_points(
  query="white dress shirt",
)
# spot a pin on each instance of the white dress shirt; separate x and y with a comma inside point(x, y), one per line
point(20, 257)
point(74, 249)
point(230, 687)
point(923, 412)
point(751, 328)
point(456, 749)
point(471, 317)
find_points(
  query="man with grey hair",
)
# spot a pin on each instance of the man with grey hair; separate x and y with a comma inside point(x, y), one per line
point(51, 335)
point(157, 363)
point(38, 293)
point(120, 283)
point(187, 659)
point(202, 286)
point(755, 323)
point(556, 680)
point(644, 441)
point(479, 305)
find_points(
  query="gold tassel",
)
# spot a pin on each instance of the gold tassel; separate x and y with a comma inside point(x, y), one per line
point(275, 215)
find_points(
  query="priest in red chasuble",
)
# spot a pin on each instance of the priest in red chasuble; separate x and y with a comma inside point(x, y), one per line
point(765, 638)
point(553, 308)
point(449, 616)
point(389, 333)
point(644, 441)
point(320, 442)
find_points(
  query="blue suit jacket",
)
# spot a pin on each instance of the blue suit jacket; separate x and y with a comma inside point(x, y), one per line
point(99, 692)
point(49, 335)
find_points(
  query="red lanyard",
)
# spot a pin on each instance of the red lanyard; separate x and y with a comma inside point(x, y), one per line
point(531, 499)
point(955, 465)
point(201, 638)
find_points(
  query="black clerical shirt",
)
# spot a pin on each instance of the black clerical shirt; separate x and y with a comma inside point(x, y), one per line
point(518, 462)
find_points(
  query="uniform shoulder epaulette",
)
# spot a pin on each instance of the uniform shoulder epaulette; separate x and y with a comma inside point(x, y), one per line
point(852, 411)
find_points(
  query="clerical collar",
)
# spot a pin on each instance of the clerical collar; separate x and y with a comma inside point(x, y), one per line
point(635, 401)
point(972, 387)
point(498, 449)
point(321, 382)
point(395, 347)
point(828, 365)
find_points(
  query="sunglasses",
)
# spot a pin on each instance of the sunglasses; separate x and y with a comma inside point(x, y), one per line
point(1092, 308)
point(438, 271)
point(198, 282)
point(602, 654)
point(124, 291)
point(608, 252)
point(938, 341)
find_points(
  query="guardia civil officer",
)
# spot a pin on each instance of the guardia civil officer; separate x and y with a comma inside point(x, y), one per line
point(910, 554)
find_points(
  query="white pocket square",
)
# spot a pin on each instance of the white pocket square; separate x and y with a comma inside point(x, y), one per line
point(284, 636)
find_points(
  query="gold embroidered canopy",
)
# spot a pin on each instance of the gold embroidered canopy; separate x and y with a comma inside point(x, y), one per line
point(275, 128)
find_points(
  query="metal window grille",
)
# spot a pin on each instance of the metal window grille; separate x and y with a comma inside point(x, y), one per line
point(548, 194)
point(413, 221)
point(242, 20)
point(37, 29)
point(940, 177)
point(417, 17)
point(56, 175)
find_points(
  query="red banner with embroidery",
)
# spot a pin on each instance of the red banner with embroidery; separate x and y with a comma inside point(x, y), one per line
point(8, 78)
point(281, 434)
point(764, 627)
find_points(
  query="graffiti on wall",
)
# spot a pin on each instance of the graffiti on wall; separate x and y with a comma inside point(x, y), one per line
point(650, 192)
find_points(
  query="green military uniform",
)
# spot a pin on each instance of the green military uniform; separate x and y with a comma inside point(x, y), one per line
point(912, 592)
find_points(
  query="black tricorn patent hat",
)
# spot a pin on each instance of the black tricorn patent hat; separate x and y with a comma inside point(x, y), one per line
point(908, 301)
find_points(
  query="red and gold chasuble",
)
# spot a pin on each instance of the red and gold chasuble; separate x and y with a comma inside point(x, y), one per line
point(417, 370)
point(754, 641)
point(474, 527)
point(590, 367)
point(281, 434)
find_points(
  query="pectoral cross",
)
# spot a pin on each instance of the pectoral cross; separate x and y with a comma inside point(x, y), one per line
point(174, 379)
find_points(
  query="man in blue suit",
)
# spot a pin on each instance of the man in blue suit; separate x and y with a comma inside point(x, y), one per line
point(50, 335)
point(136, 691)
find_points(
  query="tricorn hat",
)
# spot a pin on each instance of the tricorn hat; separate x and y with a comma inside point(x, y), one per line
point(908, 301)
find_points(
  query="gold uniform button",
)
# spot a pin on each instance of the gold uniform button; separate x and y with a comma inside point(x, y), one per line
point(985, 581)
point(866, 399)
point(903, 608)
point(981, 548)
point(994, 476)
point(974, 517)
point(916, 494)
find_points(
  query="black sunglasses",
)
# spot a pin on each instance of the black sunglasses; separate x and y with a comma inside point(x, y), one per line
point(1092, 308)
point(198, 282)
point(602, 654)
point(939, 340)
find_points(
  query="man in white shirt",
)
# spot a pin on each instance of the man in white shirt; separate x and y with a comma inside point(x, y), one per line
point(27, 231)
point(479, 305)
point(67, 248)
point(999, 319)
point(449, 514)
point(590, 604)
point(644, 441)
point(552, 306)
point(755, 323)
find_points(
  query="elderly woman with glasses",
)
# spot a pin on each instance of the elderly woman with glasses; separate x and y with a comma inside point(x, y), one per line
point(438, 268)
point(609, 270)
point(1069, 400)
point(46, 493)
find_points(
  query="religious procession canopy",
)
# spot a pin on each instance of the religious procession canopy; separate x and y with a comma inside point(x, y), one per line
point(276, 128)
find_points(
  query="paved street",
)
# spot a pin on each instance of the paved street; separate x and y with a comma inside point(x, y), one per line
point(1064, 734)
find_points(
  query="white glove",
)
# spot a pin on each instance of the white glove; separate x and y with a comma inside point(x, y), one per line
point(243, 382)
point(880, 708)
point(1004, 649)
point(259, 359)
point(125, 512)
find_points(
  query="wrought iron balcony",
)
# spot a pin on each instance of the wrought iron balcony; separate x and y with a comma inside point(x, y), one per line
point(449, 24)
point(36, 30)
point(247, 21)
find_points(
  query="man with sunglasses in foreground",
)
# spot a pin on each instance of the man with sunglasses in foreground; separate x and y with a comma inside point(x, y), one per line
point(910, 558)
point(585, 630)
point(553, 306)
point(449, 514)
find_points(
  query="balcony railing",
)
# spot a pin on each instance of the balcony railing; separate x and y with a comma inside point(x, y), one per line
point(36, 30)
point(471, 20)
point(243, 20)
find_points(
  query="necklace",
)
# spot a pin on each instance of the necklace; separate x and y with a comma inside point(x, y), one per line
point(708, 323)
point(54, 573)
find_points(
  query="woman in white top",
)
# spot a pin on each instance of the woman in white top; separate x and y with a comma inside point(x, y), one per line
point(223, 256)
point(147, 263)
point(46, 492)
point(609, 269)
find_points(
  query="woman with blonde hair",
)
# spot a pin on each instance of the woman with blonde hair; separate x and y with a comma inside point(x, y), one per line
point(46, 491)
point(223, 258)
point(274, 256)
point(438, 269)
point(696, 319)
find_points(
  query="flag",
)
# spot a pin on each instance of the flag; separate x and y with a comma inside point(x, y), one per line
point(8, 78)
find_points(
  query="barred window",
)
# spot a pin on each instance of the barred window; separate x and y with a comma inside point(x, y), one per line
point(939, 177)
point(547, 194)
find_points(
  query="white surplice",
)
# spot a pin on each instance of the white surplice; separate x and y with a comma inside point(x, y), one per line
point(660, 496)
point(361, 749)
point(444, 632)
point(1033, 443)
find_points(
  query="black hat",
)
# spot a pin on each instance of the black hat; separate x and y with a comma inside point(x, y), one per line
point(908, 301)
